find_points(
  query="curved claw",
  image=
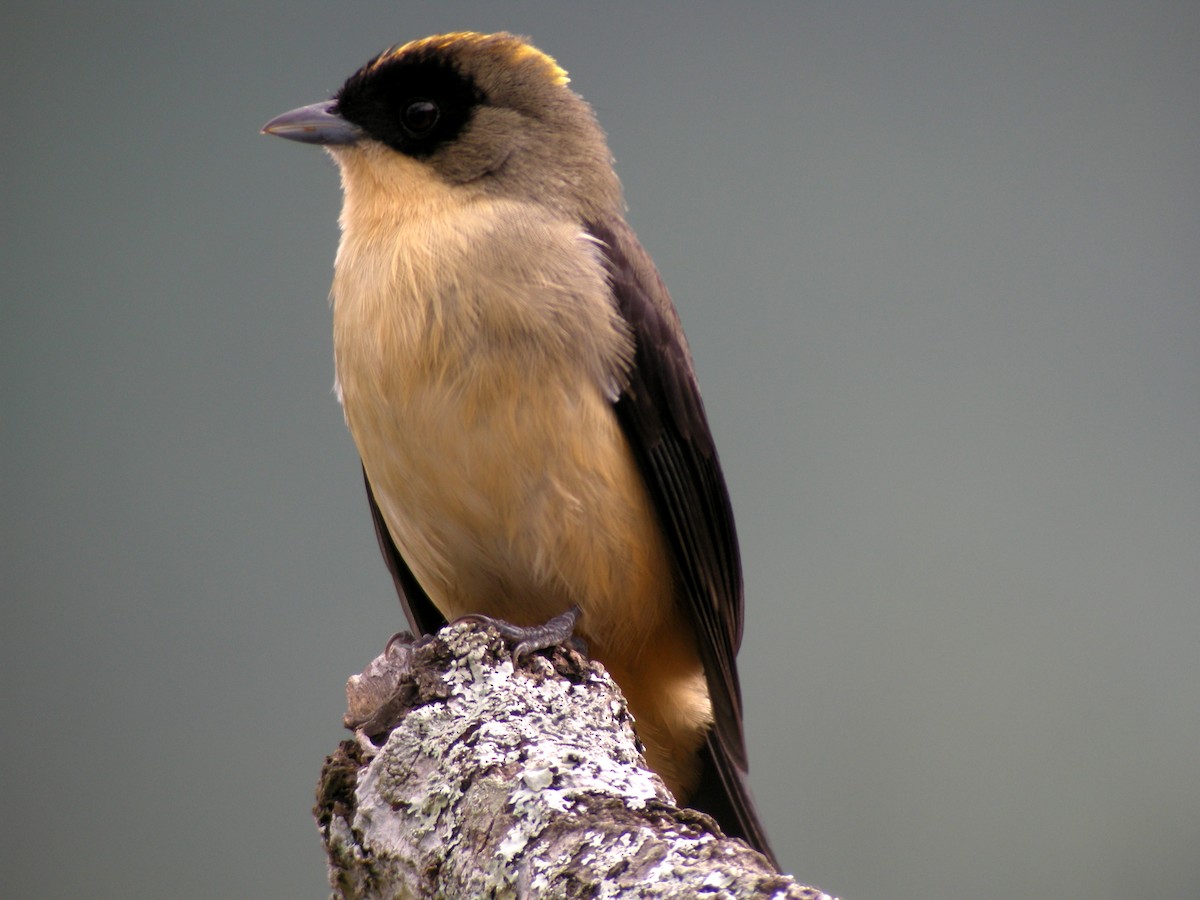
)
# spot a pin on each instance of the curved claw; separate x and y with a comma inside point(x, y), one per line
point(399, 639)
point(531, 638)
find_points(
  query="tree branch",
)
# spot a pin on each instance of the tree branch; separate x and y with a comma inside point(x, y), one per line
point(466, 779)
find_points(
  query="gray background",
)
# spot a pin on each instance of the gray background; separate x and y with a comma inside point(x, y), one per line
point(940, 267)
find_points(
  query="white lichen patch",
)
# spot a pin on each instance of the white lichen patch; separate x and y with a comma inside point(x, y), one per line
point(516, 782)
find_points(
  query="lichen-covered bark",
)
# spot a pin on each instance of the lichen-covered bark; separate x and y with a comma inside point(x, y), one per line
point(467, 779)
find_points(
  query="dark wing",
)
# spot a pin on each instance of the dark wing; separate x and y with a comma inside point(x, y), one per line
point(663, 418)
point(423, 617)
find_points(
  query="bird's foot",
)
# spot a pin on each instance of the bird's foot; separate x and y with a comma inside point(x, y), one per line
point(530, 638)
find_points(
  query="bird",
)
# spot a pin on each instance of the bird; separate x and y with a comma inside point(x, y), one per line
point(522, 396)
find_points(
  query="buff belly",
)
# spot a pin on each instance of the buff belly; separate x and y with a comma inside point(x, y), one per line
point(483, 415)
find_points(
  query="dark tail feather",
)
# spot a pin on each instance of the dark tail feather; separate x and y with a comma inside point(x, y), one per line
point(725, 795)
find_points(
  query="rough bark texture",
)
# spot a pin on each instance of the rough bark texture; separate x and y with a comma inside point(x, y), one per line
point(467, 779)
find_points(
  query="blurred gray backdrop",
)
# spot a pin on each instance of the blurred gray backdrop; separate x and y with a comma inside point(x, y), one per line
point(940, 267)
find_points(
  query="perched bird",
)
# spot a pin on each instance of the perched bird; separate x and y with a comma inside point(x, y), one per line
point(515, 376)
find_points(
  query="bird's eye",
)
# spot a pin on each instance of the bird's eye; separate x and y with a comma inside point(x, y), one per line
point(419, 116)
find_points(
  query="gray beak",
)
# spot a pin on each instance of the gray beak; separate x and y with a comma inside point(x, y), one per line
point(315, 124)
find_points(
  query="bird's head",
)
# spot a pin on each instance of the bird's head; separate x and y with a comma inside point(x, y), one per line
point(489, 114)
